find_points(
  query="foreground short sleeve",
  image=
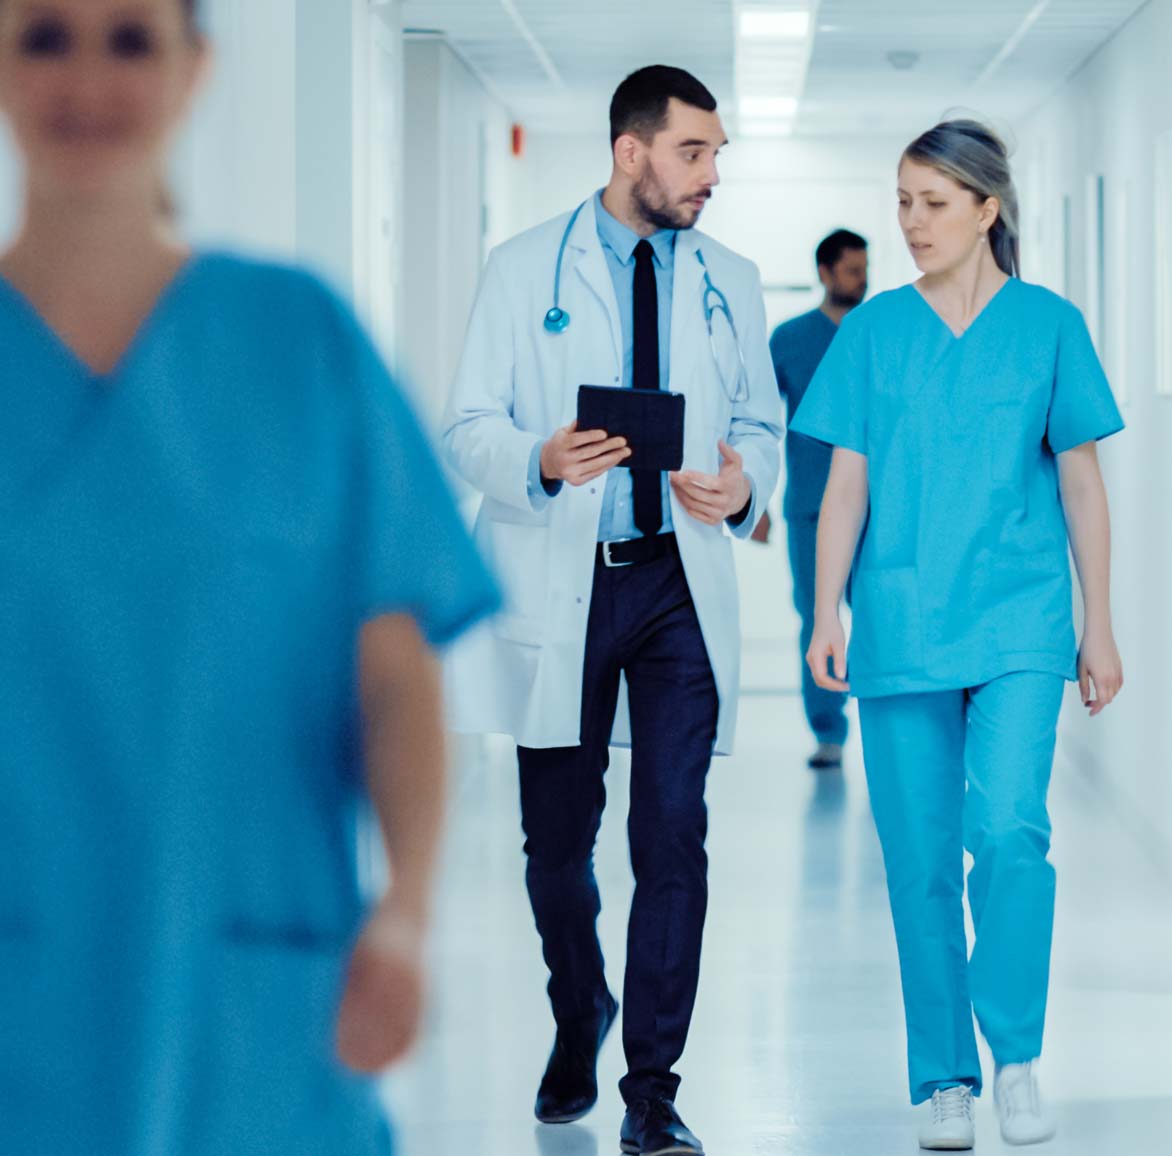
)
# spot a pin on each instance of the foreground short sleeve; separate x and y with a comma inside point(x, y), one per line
point(834, 409)
point(413, 553)
point(1082, 406)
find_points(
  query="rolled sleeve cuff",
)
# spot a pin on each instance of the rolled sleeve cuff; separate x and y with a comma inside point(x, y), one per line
point(540, 489)
point(739, 520)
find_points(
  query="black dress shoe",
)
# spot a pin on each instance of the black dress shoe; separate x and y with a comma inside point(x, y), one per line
point(569, 1088)
point(654, 1128)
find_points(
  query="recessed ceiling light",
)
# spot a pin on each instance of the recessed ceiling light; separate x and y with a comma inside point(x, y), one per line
point(757, 24)
point(767, 107)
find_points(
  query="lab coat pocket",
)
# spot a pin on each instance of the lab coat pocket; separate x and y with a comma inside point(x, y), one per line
point(886, 636)
point(498, 511)
point(518, 554)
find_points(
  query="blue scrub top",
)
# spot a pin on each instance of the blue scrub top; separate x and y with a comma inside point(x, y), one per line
point(962, 574)
point(797, 347)
point(190, 547)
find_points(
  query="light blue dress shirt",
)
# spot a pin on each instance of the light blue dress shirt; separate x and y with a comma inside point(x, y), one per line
point(618, 246)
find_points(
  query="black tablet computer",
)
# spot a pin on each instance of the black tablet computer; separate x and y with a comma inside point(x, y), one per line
point(652, 421)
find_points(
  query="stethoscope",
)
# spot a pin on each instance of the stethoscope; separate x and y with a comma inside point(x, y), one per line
point(557, 319)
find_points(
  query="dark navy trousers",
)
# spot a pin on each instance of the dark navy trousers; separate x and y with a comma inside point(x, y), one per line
point(642, 623)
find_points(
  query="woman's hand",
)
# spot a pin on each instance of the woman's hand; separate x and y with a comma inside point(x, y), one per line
point(383, 1004)
point(828, 643)
point(1099, 665)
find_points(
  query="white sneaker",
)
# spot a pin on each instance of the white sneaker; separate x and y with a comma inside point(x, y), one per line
point(1024, 1119)
point(949, 1127)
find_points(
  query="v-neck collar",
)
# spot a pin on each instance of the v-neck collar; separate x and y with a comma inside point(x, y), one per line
point(972, 324)
point(140, 337)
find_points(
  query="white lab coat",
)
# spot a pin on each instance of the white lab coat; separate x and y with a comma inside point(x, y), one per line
point(521, 674)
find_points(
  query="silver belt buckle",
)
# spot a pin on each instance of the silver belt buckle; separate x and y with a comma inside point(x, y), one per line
point(606, 559)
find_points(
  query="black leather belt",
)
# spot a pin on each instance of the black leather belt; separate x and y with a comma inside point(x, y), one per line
point(633, 551)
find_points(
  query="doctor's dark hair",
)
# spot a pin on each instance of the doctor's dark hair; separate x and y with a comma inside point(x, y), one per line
point(639, 104)
point(974, 156)
point(831, 248)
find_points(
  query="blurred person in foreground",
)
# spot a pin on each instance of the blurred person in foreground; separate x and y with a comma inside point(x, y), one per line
point(227, 551)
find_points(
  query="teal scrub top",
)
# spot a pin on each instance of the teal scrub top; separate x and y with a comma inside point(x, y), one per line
point(797, 347)
point(962, 572)
point(190, 546)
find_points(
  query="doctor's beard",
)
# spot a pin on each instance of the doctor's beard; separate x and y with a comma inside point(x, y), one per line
point(651, 202)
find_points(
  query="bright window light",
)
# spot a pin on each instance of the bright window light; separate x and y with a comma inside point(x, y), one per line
point(757, 24)
point(768, 107)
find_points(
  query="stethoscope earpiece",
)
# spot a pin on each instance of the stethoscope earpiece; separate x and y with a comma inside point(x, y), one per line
point(557, 320)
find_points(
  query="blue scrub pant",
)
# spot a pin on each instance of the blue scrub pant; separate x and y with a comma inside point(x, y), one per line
point(825, 709)
point(954, 770)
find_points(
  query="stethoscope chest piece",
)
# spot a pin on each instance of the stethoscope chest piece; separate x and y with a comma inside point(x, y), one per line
point(557, 320)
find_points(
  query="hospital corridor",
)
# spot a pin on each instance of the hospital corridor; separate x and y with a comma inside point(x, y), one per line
point(796, 1046)
point(585, 579)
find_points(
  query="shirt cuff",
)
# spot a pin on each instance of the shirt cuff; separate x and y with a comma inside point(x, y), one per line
point(540, 489)
point(739, 517)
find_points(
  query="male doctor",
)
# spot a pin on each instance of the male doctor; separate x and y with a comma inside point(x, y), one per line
point(615, 572)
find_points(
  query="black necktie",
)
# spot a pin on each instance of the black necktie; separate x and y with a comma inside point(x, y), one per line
point(645, 375)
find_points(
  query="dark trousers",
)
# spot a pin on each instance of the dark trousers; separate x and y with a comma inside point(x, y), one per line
point(642, 623)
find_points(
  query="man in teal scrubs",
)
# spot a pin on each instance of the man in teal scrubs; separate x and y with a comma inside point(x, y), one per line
point(798, 346)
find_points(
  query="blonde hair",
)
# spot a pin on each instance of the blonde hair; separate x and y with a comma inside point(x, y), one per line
point(974, 156)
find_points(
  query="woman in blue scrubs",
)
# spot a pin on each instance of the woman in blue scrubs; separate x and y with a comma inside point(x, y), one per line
point(964, 410)
point(226, 552)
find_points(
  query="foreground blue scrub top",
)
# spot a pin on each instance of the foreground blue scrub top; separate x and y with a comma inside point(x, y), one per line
point(189, 548)
point(962, 573)
point(797, 347)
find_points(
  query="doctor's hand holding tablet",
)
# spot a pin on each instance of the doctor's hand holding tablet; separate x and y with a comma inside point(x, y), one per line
point(650, 436)
point(579, 456)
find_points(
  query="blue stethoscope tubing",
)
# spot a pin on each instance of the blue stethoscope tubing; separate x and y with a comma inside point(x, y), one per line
point(557, 319)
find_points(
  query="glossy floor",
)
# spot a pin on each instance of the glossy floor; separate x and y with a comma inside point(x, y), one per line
point(797, 1041)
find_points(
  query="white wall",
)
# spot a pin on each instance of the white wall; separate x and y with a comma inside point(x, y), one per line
point(9, 188)
point(457, 195)
point(235, 165)
point(1106, 121)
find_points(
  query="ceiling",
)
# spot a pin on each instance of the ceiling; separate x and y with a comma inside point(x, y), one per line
point(554, 63)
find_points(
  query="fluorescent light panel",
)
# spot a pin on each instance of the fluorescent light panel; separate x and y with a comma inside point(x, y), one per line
point(761, 24)
point(772, 55)
point(768, 107)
